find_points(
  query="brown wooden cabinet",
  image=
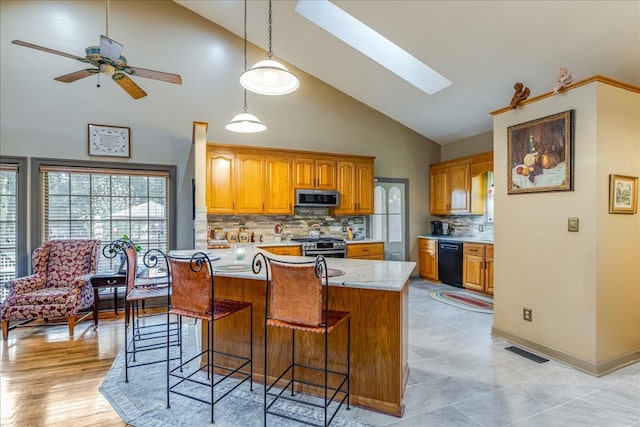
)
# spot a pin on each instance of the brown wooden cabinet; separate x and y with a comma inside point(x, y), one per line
point(459, 186)
point(220, 182)
point(477, 270)
point(255, 180)
point(278, 197)
point(450, 187)
point(374, 250)
point(293, 250)
point(428, 258)
point(355, 185)
point(317, 173)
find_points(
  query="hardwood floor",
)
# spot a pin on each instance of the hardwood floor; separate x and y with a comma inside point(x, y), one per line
point(49, 379)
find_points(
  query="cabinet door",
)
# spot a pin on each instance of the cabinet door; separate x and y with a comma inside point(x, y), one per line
point(220, 194)
point(250, 183)
point(428, 258)
point(364, 187)
point(459, 181)
point(473, 267)
point(439, 189)
point(278, 194)
point(365, 250)
point(346, 188)
point(488, 273)
point(304, 173)
point(326, 175)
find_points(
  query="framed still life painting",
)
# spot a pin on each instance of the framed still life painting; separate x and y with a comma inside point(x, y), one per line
point(540, 155)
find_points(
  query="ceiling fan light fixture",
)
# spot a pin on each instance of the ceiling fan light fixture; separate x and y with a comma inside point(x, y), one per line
point(245, 123)
point(269, 77)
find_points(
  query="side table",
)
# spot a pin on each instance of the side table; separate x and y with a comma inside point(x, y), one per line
point(106, 280)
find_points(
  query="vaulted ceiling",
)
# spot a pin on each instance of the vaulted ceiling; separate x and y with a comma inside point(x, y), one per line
point(483, 47)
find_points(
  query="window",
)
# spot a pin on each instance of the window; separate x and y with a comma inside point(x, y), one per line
point(107, 203)
point(13, 259)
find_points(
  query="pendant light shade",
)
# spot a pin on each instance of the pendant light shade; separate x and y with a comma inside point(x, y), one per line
point(245, 122)
point(269, 77)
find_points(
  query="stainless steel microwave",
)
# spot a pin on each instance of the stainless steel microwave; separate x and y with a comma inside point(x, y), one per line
point(326, 198)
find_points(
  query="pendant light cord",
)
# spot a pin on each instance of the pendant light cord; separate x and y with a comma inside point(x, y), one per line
point(270, 53)
point(107, 1)
point(245, 52)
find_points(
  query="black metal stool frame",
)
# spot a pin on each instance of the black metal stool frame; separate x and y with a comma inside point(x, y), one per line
point(321, 272)
point(198, 262)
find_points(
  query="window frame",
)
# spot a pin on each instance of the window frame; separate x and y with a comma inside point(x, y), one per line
point(37, 196)
point(23, 256)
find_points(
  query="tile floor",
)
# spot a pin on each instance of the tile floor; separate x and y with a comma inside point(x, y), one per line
point(462, 376)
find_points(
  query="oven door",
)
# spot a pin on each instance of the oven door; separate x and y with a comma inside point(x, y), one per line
point(327, 253)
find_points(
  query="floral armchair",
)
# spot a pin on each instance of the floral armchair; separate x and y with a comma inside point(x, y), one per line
point(60, 285)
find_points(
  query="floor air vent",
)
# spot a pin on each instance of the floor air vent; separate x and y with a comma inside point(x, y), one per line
point(526, 354)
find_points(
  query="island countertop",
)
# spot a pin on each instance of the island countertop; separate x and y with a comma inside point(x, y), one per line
point(365, 274)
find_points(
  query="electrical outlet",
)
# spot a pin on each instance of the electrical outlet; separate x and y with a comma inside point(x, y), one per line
point(481, 228)
point(527, 314)
point(573, 224)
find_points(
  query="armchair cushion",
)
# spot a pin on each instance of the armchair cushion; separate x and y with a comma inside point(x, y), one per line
point(60, 285)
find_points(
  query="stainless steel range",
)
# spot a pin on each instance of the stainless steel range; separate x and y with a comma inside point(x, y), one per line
point(329, 247)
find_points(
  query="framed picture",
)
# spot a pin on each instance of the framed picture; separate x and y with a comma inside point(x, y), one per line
point(111, 141)
point(623, 194)
point(540, 155)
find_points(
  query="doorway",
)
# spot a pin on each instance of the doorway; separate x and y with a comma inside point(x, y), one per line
point(390, 217)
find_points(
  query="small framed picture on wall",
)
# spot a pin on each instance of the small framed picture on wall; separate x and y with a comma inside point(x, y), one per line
point(623, 194)
point(109, 141)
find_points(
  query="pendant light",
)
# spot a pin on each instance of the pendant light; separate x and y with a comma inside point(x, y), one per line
point(269, 77)
point(245, 122)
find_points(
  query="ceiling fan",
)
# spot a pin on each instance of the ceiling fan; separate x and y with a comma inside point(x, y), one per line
point(107, 59)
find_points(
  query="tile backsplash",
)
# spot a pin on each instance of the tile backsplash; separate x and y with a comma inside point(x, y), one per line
point(469, 226)
point(297, 225)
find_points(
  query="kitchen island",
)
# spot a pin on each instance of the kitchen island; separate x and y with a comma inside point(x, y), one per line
point(376, 294)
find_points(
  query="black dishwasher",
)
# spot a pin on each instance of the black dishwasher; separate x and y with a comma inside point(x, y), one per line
point(450, 262)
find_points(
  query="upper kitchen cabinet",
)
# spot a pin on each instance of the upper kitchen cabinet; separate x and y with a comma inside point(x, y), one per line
point(355, 185)
point(450, 188)
point(248, 181)
point(220, 182)
point(317, 173)
point(279, 193)
point(459, 186)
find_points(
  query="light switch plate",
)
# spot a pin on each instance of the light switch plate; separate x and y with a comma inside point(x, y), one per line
point(573, 224)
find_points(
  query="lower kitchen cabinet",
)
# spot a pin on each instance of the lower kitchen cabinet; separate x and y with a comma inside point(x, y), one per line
point(365, 250)
point(477, 272)
point(428, 258)
point(293, 250)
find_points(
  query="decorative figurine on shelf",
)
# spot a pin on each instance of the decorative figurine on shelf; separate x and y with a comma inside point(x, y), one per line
point(521, 93)
point(565, 77)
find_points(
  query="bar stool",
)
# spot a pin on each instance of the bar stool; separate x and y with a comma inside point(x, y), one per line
point(192, 295)
point(297, 298)
point(146, 333)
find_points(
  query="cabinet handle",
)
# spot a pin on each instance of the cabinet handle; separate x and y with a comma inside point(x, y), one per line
point(111, 281)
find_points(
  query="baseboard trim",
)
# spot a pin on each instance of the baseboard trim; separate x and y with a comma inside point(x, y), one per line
point(597, 369)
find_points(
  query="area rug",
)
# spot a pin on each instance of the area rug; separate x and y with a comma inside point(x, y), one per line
point(142, 402)
point(465, 300)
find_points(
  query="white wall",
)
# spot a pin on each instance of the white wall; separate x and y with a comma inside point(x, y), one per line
point(41, 117)
point(583, 287)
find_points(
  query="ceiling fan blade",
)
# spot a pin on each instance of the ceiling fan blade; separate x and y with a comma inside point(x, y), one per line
point(77, 75)
point(46, 49)
point(129, 86)
point(156, 75)
point(110, 48)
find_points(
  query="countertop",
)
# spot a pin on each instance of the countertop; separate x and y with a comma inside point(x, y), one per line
point(271, 242)
point(467, 239)
point(365, 274)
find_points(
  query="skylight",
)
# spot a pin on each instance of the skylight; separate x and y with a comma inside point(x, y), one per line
point(356, 34)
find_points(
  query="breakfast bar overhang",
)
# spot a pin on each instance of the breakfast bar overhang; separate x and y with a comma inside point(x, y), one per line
point(376, 294)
